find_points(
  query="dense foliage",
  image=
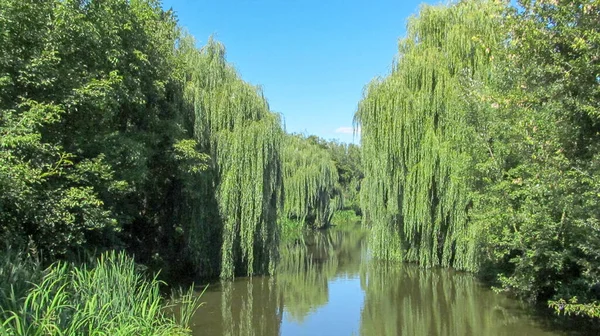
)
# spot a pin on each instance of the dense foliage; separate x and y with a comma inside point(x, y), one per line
point(481, 147)
point(230, 119)
point(538, 186)
point(347, 160)
point(110, 298)
point(480, 151)
point(118, 132)
point(310, 179)
point(415, 139)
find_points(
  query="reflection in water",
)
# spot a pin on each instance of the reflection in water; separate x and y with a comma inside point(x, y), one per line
point(414, 301)
point(302, 281)
point(246, 307)
point(327, 285)
point(306, 268)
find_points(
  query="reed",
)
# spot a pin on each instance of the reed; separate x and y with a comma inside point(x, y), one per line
point(110, 298)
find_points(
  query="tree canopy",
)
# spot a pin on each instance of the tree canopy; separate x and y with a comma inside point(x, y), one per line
point(310, 178)
point(480, 149)
point(416, 140)
point(118, 132)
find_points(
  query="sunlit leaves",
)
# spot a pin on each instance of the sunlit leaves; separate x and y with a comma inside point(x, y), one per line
point(310, 179)
point(415, 138)
point(231, 120)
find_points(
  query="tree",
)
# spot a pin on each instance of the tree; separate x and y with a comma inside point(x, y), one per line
point(310, 179)
point(538, 187)
point(416, 141)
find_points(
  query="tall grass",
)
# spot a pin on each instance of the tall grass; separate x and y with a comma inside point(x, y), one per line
point(110, 298)
point(343, 218)
point(291, 230)
point(18, 271)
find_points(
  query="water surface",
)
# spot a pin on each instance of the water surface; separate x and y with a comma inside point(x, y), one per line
point(328, 285)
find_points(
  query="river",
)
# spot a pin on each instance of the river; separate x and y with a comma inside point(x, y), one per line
point(328, 285)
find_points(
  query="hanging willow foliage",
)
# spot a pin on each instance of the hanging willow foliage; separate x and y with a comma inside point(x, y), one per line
point(415, 137)
point(310, 182)
point(231, 120)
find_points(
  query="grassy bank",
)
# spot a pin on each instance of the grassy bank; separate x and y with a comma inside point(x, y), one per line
point(344, 218)
point(108, 298)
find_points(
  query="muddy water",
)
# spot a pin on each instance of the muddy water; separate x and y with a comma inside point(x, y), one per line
point(328, 285)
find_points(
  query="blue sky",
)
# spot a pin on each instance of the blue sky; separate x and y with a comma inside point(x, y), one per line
point(311, 57)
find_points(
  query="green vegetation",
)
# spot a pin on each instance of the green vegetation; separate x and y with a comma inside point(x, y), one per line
point(230, 119)
point(343, 218)
point(291, 229)
point(347, 160)
point(310, 180)
point(118, 132)
point(538, 194)
point(480, 149)
point(415, 138)
point(321, 184)
point(110, 298)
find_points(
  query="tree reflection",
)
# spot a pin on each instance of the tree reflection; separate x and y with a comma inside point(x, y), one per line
point(399, 299)
point(250, 308)
point(306, 268)
point(403, 299)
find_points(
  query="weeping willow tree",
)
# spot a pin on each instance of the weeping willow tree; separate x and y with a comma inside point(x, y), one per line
point(230, 119)
point(416, 137)
point(310, 182)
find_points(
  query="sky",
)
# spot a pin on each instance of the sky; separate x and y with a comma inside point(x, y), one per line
point(312, 58)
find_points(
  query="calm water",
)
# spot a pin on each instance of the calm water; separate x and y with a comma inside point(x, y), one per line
point(328, 285)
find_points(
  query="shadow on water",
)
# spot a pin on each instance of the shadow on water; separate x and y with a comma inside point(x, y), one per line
point(326, 284)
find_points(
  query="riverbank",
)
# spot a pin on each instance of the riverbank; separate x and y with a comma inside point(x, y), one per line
point(110, 296)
